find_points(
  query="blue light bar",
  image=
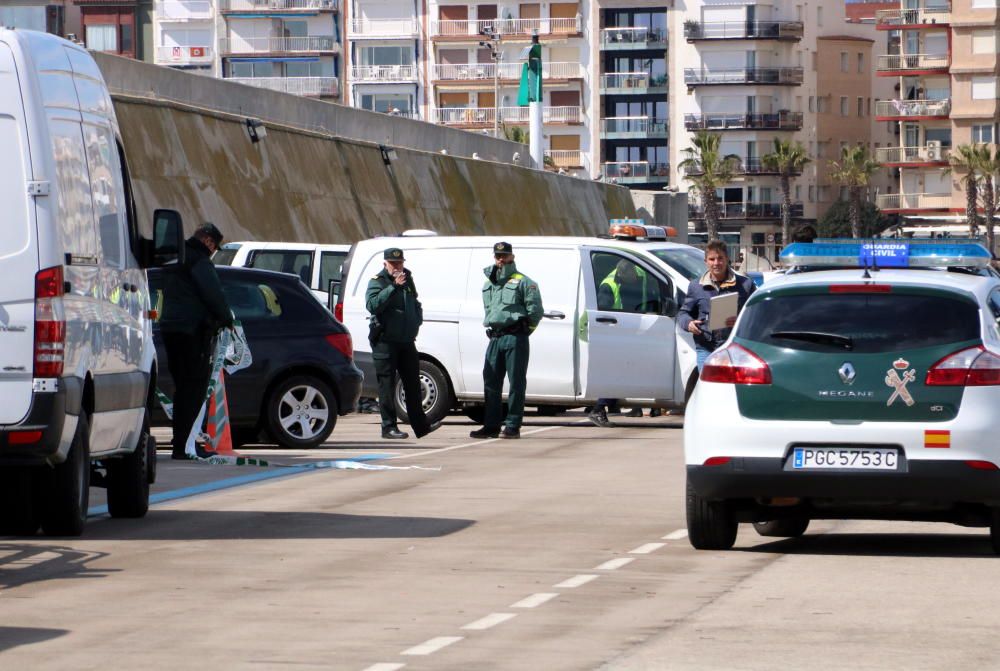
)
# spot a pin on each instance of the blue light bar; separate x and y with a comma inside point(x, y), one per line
point(886, 253)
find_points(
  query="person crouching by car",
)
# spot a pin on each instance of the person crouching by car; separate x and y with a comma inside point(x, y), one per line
point(720, 278)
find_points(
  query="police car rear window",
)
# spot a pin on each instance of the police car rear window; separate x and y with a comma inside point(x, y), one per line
point(862, 323)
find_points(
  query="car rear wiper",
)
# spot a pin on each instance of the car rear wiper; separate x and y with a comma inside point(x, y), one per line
point(817, 337)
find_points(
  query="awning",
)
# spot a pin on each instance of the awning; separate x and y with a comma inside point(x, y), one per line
point(305, 59)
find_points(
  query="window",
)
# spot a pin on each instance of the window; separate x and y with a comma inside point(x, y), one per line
point(843, 106)
point(984, 88)
point(812, 193)
point(984, 42)
point(624, 286)
point(268, 301)
point(798, 192)
point(861, 106)
point(845, 62)
point(329, 268)
point(815, 61)
point(868, 106)
point(822, 105)
point(812, 104)
point(819, 16)
point(101, 37)
point(982, 133)
point(284, 261)
point(861, 63)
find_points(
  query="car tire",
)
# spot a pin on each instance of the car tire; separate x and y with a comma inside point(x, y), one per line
point(66, 487)
point(19, 496)
point(790, 528)
point(436, 392)
point(711, 524)
point(301, 412)
point(128, 482)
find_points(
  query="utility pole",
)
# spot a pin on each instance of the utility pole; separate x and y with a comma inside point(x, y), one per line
point(496, 53)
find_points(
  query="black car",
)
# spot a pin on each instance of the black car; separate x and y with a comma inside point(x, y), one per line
point(303, 374)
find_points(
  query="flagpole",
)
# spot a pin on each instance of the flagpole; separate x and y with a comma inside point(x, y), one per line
point(535, 105)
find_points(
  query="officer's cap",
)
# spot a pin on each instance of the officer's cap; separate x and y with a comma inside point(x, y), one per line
point(503, 248)
point(209, 230)
point(393, 254)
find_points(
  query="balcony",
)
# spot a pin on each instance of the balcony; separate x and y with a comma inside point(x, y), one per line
point(184, 55)
point(383, 74)
point(279, 45)
point(719, 122)
point(482, 117)
point(902, 157)
point(788, 31)
point(936, 15)
point(790, 76)
point(271, 6)
point(570, 159)
point(183, 10)
point(633, 127)
point(913, 202)
point(753, 165)
point(377, 29)
point(637, 83)
point(911, 64)
point(632, 39)
point(472, 31)
point(308, 87)
point(635, 172)
point(746, 211)
point(483, 73)
point(915, 110)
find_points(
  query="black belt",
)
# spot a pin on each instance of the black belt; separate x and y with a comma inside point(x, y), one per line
point(516, 329)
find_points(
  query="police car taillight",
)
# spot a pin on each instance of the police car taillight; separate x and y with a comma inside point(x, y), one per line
point(736, 365)
point(970, 367)
point(50, 323)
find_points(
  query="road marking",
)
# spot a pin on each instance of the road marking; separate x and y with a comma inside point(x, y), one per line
point(646, 549)
point(385, 666)
point(491, 620)
point(576, 581)
point(433, 645)
point(474, 443)
point(676, 535)
point(535, 600)
point(613, 564)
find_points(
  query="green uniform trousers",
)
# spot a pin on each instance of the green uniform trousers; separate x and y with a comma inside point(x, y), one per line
point(506, 356)
point(391, 358)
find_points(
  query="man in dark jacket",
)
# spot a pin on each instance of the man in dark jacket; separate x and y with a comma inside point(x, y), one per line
point(719, 279)
point(194, 309)
point(391, 299)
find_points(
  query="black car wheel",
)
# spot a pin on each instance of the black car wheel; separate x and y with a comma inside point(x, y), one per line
point(128, 482)
point(791, 528)
point(301, 412)
point(435, 392)
point(711, 524)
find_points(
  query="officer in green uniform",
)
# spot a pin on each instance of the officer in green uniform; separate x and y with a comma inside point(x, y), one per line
point(513, 307)
point(396, 317)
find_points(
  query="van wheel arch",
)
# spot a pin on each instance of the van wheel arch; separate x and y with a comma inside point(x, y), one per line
point(449, 392)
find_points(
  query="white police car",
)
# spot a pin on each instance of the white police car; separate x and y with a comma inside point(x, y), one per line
point(862, 384)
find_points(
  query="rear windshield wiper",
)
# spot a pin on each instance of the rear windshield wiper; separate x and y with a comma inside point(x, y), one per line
point(816, 337)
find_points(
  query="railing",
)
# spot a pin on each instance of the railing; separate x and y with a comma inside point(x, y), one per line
point(260, 45)
point(744, 30)
point(913, 201)
point(569, 158)
point(383, 28)
point(922, 154)
point(272, 5)
point(625, 170)
point(632, 80)
point(183, 55)
point(913, 108)
point(902, 62)
point(299, 86)
point(786, 75)
point(183, 10)
point(746, 210)
point(938, 13)
point(779, 121)
point(383, 73)
point(518, 116)
point(628, 37)
point(475, 29)
point(753, 165)
point(640, 125)
point(508, 71)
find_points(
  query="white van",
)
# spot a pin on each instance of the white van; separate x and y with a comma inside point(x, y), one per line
point(316, 265)
point(77, 364)
point(579, 353)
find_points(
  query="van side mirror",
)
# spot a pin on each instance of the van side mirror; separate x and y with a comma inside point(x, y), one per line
point(167, 245)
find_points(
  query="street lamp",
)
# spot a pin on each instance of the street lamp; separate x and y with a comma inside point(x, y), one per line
point(496, 53)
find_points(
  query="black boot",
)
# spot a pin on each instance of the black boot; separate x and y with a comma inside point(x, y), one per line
point(485, 433)
point(599, 417)
point(393, 433)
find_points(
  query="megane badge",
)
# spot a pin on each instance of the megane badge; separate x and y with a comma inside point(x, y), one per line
point(847, 373)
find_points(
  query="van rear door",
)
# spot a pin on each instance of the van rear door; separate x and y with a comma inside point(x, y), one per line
point(18, 253)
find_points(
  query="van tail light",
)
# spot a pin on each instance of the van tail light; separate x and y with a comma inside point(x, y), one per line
point(970, 367)
point(338, 312)
point(735, 365)
point(342, 343)
point(50, 323)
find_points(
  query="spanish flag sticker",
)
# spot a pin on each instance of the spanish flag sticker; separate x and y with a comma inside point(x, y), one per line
point(937, 439)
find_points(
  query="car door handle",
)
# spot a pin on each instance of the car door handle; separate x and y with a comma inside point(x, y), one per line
point(607, 320)
point(554, 315)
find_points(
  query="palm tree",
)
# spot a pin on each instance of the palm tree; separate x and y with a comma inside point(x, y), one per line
point(968, 159)
point(787, 160)
point(854, 170)
point(988, 169)
point(708, 171)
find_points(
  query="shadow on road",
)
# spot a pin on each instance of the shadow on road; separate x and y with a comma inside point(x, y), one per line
point(11, 637)
point(883, 545)
point(250, 524)
point(22, 564)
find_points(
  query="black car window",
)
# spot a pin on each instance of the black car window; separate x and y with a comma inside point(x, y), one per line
point(873, 322)
point(995, 304)
point(257, 299)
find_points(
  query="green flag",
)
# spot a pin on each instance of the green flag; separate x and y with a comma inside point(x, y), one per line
point(531, 78)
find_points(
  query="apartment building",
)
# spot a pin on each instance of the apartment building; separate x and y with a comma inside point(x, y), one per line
point(59, 17)
point(185, 35)
point(942, 61)
point(383, 56)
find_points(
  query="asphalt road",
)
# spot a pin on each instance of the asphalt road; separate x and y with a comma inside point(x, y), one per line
point(564, 550)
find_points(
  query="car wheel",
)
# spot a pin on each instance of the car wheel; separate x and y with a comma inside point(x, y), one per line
point(435, 394)
point(301, 412)
point(711, 524)
point(19, 496)
point(67, 487)
point(128, 482)
point(790, 528)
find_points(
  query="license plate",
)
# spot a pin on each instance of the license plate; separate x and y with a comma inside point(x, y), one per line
point(851, 458)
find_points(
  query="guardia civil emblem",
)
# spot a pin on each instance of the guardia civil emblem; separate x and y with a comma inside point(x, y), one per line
point(898, 382)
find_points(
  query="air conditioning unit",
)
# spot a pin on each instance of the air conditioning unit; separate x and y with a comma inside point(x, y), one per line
point(934, 150)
